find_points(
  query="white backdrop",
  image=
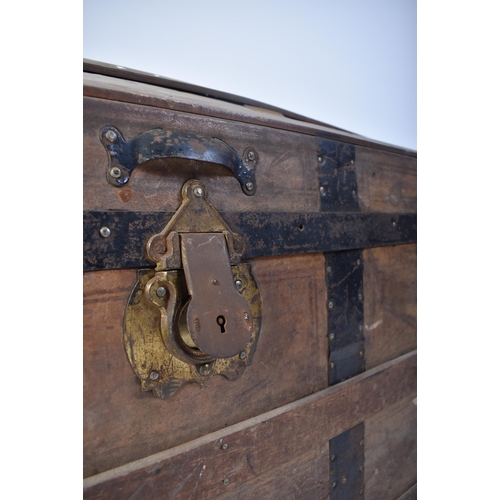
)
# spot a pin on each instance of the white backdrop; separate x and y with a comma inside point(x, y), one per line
point(351, 64)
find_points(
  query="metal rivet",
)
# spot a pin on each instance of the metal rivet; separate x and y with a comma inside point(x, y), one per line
point(198, 192)
point(322, 190)
point(111, 136)
point(225, 446)
point(361, 354)
point(154, 375)
point(334, 484)
point(352, 162)
point(328, 269)
point(332, 336)
point(115, 172)
point(249, 186)
point(393, 223)
point(360, 327)
point(330, 305)
point(105, 231)
point(251, 155)
point(245, 315)
point(320, 159)
point(360, 296)
point(214, 281)
point(332, 365)
point(226, 481)
point(354, 193)
point(205, 370)
point(238, 284)
point(243, 355)
point(160, 248)
point(332, 458)
point(358, 262)
point(161, 291)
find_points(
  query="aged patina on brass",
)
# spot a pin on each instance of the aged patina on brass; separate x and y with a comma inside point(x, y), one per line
point(199, 312)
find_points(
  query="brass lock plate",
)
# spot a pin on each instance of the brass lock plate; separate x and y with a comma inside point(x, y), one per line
point(198, 313)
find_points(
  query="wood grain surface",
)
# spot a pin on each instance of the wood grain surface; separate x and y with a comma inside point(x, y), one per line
point(128, 91)
point(391, 451)
point(286, 175)
point(387, 182)
point(262, 445)
point(390, 308)
point(122, 423)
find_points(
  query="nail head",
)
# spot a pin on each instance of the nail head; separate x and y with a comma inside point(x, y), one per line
point(115, 172)
point(161, 291)
point(105, 231)
point(154, 375)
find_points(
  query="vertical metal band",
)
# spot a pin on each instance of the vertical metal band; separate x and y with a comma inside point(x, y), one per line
point(338, 184)
point(347, 455)
point(344, 281)
point(338, 189)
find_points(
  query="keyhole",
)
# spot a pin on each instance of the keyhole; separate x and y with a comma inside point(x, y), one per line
point(221, 321)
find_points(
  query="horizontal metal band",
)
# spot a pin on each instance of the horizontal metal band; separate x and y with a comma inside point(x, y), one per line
point(115, 240)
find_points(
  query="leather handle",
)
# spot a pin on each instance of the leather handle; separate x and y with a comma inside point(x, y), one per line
point(125, 156)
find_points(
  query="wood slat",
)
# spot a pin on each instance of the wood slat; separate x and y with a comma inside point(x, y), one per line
point(390, 302)
point(122, 423)
point(128, 91)
point(260, 445)
point(391, 452)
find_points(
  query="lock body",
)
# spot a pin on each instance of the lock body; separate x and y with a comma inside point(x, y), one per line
point(198, 313)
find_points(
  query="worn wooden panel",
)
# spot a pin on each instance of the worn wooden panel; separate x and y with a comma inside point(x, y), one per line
point(390, 309)
point(285, 174)
point(391, 452)
point(128, 91)
point(387, 182)
point(122, 423)
point(262, 445)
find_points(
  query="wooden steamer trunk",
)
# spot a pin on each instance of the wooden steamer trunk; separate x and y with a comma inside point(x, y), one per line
point(314, 396)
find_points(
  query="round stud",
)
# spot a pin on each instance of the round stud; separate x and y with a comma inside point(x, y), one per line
point(226, 481)
point(322, 190)
point(224, 446)
point(360, 327)
point(154, 375)
point(251, 155)
point(161, 291)
point(239, 284)
point(334, 484)
point(205, 370)
point(243, 355)
point(320, 159)
point(330, 305)
point(105, 231)
point(115, 172)
point(332, 336)
point(246, 316)
point(214, 281)
point(111, 136)
point(198, 192)
point(358, 262)
point(249, 186)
